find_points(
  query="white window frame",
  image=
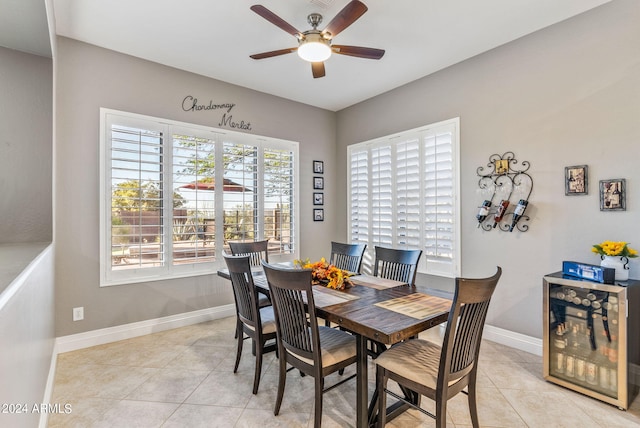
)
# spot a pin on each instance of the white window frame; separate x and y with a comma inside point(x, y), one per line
point(109, 276)
point(428, 265)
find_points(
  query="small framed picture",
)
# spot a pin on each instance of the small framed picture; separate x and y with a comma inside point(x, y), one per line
point(318, 214)
point(502, 166)
point(613, 195)
point(318, 183)
point(318, 198)
point(318, 167)
point(575, 180)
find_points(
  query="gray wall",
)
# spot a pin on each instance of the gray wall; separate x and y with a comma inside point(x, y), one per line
point(25, 147)
point(566, 95)
point(26, 298)
point(88, 78)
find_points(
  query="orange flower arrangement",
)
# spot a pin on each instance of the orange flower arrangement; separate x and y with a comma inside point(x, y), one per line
point(327, 274)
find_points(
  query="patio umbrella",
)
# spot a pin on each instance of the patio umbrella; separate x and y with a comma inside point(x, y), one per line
point(210, 184)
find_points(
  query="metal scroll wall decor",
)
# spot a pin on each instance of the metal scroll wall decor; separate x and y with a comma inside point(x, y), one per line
point(506, 188)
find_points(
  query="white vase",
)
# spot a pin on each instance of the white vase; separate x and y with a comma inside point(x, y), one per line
point(619, 264)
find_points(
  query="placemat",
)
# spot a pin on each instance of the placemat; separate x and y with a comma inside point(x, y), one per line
point(375, 282)
point(324, 296)
point(417, 305)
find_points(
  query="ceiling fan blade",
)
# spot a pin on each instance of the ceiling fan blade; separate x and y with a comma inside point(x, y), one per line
point(347, 16)
point(270, 54)
point(358, 51)
point(317, 68)
point(275, 20)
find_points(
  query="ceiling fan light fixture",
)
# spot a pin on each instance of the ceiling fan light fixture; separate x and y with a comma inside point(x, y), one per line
point(314, 48)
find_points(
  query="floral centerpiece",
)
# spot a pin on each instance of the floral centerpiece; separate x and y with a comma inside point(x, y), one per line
point(326, 274)
point(611, 248)
point(615, 255)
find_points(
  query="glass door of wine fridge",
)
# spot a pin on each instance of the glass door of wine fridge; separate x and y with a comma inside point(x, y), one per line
point(586, 345)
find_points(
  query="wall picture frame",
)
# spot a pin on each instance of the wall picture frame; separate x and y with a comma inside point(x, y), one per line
point(613, 194)
point(318, 214)
point(318, 183)
point(501, 166)
point(318, 198)
point(576, 180)
point(318, 167)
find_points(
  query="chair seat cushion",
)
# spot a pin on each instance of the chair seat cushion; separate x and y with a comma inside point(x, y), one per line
point(268, 320)
point(415, 359)
point(335, 346)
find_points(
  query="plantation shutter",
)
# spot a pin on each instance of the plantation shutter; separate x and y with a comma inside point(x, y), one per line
point(240, 192)
point(278, 186)
point(136, 186)
point(439, 213)
point(403, 194)
point(407, 187)
point(193, 198)
point(173, 195)
point(381, 196)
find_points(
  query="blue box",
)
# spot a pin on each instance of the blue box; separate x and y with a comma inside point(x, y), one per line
point(589, 272)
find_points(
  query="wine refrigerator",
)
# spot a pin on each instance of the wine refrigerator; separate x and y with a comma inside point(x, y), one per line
point(591, 337)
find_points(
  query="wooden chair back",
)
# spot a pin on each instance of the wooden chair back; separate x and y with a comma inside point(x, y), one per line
point(256, 250)
point(292, 299)
point(463, 334)
point(244, 290)
point(347, 256)
point(399, 265)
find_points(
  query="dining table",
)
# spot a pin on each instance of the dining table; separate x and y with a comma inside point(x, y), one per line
point(372, 308)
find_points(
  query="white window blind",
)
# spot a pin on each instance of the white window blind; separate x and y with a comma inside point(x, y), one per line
point(192, 211)
point(403, 194)
point(278, 187)
point(174, 195)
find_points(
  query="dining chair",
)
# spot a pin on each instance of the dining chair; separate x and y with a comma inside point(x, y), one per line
point(257, 323)
point(256, 250)
point(315, 350)
point(399, 265)
point(347, 256)
point(441, 372)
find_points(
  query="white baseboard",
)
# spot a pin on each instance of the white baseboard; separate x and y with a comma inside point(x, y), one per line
point(512, 339)
point(87, 339)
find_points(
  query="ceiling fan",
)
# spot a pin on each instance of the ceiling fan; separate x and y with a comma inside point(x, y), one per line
point(314, 45)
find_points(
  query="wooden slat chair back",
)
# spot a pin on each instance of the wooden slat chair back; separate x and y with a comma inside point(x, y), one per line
point(441, 372)
point(347, 256)
point(256, 250)
point(258, 323)
point(399, 265)
point(314, 350)
point(244, 290)
point(297, 329)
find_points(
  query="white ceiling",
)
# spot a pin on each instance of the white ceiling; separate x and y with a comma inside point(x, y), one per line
point(215, 38)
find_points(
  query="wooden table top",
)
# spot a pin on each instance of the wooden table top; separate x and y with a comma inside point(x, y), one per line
point(358, 312)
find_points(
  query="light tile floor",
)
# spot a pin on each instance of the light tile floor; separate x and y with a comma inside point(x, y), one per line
point(184, 378)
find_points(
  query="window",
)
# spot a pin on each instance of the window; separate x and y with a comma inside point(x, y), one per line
point(404, 194)
point(174, 194)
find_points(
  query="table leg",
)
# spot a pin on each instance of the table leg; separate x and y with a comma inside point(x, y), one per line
point(362, 387)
